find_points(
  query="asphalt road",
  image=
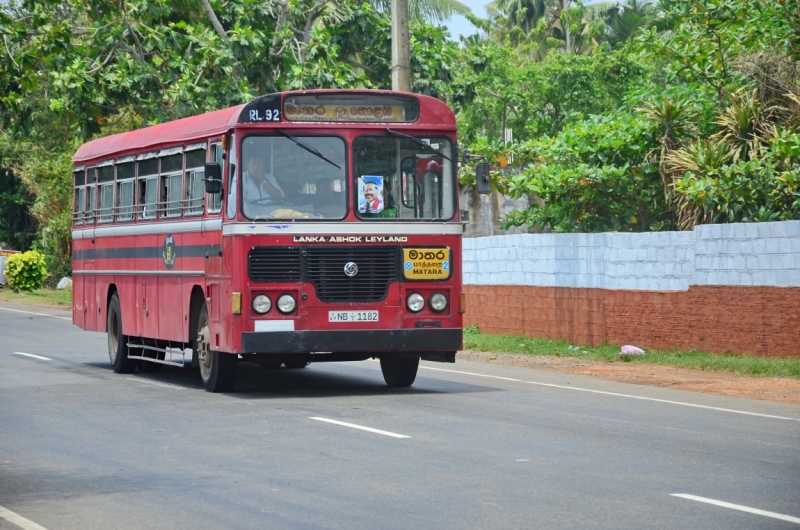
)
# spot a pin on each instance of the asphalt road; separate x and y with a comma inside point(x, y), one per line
point(484, 447)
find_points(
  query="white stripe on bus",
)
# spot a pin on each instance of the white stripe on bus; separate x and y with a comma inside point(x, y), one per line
point(120, 272)
point(343, 228)
point(149, 228)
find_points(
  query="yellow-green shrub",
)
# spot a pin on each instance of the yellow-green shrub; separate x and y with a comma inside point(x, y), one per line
point(26, 271)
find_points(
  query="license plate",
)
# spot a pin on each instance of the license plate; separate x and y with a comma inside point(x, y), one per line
point(426, 263)
point(352, 316)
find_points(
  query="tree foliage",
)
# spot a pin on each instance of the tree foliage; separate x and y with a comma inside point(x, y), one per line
point(706, 133)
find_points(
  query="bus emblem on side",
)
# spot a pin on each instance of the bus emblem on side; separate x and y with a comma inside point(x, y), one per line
point(169, 251)
point(350, 269)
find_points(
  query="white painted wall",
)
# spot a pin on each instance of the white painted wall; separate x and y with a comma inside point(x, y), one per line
point(766, 254)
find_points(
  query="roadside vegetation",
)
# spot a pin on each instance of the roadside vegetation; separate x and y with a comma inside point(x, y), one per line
point(629, 115)
point(739, 364)
point(45, 297)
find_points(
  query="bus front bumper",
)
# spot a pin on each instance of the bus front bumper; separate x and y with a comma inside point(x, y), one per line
point(353, 341)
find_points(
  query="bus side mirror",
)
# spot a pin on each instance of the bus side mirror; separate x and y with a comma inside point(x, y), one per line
point(482, 178)
point(213, 178)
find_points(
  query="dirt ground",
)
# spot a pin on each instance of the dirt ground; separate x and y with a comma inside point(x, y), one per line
point(781, 389)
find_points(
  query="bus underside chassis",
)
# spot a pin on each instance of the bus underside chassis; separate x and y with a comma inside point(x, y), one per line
point(218, 369)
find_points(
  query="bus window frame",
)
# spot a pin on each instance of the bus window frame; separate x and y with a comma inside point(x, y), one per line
point(91, 191)
point(79, 200)
point(188, 206)
point(453, 159)
point(231, 184)
point(215, 154)
point(125, 214)
point(105, 215)
point(274, 133)
point(164, 204)
point(142, 213)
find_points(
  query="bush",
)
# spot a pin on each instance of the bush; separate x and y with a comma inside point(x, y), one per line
point(26, 271)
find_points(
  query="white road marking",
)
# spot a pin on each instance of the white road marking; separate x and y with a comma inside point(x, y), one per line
point(361, 427)
point(739, 507)
point(471, 373)
point(32, 355)
point(165, 385)
point(618, 394)
point(18, 520)
point(665, 401)
point(32, 313)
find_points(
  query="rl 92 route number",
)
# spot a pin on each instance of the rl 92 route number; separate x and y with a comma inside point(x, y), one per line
point(352, 316)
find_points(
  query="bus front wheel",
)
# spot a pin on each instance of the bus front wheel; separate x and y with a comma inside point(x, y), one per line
point(217, 369)
point(117, 341)
point(399, 371)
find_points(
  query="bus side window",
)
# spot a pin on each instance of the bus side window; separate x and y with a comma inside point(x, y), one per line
point(171, 186)
point(105, 188)
point(230, 208)
point(80, 197)
point(214, 202)
point(125, 185)
point(148, 188)
point(91, 201)
point(195, 189)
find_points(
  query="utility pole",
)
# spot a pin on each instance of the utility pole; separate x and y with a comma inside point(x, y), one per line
point(401, 57)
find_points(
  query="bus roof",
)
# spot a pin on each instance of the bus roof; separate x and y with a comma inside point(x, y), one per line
point(435, 112)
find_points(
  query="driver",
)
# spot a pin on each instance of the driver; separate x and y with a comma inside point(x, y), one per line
point(258, 185)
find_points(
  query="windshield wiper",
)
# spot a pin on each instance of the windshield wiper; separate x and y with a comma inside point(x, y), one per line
point(417, 141)
point(308, 148)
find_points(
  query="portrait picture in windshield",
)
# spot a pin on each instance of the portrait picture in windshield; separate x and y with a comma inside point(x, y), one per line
point(291, 177)
point(404, 177)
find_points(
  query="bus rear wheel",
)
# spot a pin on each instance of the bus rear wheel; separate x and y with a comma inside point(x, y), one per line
point(399, 371)
point(117, 341)
point(217, 369)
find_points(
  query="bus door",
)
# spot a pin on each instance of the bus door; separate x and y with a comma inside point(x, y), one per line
point(213, 250)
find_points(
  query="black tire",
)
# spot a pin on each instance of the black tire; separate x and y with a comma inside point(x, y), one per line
point(399, 371)
point(217, 369)
point(296, 365)
point(117, 340)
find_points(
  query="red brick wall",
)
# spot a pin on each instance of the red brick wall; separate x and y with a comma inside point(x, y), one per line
point(737, 319)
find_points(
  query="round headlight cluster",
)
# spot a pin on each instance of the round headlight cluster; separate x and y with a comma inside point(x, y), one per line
point(286, 303)
point(437, 302)
point(261, 304)
point(415, 302)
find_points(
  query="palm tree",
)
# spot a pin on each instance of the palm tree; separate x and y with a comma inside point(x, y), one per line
point(524, 14)
point(624, 20)
point(430, 10)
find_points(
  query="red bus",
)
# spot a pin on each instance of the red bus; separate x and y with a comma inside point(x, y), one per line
point(300, 227)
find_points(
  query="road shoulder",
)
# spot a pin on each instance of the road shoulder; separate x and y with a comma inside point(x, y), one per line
point(778, 389)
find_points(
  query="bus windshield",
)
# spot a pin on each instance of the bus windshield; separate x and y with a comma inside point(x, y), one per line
point(293, 177)
point(404, 178)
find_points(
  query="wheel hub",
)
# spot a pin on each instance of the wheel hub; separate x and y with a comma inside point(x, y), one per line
point(204, 348)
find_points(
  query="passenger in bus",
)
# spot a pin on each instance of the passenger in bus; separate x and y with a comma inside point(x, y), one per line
point(260, 187)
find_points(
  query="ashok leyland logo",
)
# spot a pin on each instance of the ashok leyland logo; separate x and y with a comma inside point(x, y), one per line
point(169, 251)
point(350, 269)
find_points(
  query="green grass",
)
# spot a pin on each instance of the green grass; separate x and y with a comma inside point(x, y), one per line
point(40, 297)
point(739, 364)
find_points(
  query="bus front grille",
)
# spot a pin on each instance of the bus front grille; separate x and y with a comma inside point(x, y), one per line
point(324, 268)
point(274, 264)
point(377, 268)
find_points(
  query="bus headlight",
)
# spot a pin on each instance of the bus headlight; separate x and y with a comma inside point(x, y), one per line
point(261, 304)
point(286, 303)
point(415, 302)
point(438, 302)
